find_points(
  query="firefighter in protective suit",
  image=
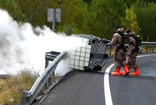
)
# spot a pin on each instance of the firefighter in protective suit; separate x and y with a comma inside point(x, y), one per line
point(132, 53)
point(119, 52)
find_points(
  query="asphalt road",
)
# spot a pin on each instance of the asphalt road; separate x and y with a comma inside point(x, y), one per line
point(86, 88)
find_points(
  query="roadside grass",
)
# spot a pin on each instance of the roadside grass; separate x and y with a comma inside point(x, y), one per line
point(11, 88)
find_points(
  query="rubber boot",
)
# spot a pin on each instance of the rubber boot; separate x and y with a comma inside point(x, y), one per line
point(123, 71)
point(136, 72)
point(117, 73)
point(126, 71)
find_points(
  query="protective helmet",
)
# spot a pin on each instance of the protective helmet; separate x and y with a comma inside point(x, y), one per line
point(117, 27)
point(120, 30)
point(128, 31)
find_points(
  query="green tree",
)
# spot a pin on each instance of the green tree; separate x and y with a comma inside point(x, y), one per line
point(96, 17)
point(129, 2)
point(73, 16)
point(36, 10)
point(130, 22)
point(103, 16)
point(13, 8)
point(72, 13)
point(146, 18)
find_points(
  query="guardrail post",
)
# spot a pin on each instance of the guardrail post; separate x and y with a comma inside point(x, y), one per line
point(152, 49)
point(46, 65)
point(146, 50)
point(25, 97)
point(110, 50)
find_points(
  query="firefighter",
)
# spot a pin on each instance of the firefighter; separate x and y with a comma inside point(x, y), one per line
point(132, 52)
point(119, 52)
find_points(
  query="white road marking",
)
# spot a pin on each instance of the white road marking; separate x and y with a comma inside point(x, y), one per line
point(107, 92)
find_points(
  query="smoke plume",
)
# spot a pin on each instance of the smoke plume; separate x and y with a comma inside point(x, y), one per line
point(23, 47)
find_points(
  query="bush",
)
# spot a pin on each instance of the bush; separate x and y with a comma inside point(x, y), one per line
point(11, 88)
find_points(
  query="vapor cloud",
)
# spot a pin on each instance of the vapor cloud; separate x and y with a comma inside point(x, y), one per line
point(23, 46)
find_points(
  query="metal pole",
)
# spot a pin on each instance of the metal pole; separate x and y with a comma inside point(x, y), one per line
point(53, 22)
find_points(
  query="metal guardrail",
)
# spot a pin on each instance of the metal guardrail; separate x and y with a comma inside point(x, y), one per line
point(146, 47)
point(29, 96)
point(148, 43)
point(149, 47)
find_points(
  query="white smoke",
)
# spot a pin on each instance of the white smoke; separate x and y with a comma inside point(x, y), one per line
point(23, 47)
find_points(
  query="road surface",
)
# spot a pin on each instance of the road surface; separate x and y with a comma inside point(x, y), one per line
point(86, 88)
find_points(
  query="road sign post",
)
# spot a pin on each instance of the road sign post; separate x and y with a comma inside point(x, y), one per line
point(54, 15)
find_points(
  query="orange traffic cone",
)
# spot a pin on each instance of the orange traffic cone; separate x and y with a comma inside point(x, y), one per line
point(126, 71)
point(136, 72)
point(117, 73)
